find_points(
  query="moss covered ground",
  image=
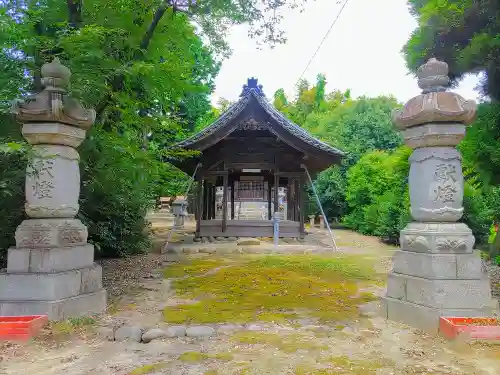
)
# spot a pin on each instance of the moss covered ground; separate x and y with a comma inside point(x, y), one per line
point(272, 288)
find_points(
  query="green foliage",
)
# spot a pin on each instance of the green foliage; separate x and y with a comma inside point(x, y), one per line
point(13, 159)
point(496, 260)
point(481, 157)
point(377, 194)
point(465, 34)
point(115, 193)
point(359, 126)
point(478, 211)
point(481, 146)
point(331, 186)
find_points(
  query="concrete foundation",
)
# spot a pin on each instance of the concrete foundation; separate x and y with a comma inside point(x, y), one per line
point(424, 317)
point(80, 305)
point(58, 294)
point(436, 273)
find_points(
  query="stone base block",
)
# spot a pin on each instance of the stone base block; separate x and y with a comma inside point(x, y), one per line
point(445, 238)
point(50, 260)
point(50, 233)
point(439, 266)
point(424, 317)
point(441, 294)
point(81, 305)
point(50, 286)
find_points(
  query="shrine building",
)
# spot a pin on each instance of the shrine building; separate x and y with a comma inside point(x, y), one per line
point(252, 161)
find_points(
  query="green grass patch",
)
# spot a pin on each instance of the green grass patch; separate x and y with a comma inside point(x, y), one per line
point(274, 288)
point(194, 267)
point(72, 325)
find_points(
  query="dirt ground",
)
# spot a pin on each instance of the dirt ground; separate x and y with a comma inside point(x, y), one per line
point(365, 345)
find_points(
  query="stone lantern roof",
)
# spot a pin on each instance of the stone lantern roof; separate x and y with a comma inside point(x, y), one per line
point(435, 104)
point(54, 104)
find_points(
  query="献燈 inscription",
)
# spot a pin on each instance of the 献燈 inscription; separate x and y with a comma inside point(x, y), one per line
point(445, 189)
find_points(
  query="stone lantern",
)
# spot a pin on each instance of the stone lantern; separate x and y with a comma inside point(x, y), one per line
point(51, 270)
point(179, 209)
point(436, 273)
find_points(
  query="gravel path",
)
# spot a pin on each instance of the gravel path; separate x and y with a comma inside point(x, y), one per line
point(120, 275)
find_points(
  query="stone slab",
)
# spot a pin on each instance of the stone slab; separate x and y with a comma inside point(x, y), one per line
point(459, 294)
point(423, 317)
point(81, 305)
point(444, 238)
point(438, 266)
point(50, 259)
point(49, 286)
point(50, 233)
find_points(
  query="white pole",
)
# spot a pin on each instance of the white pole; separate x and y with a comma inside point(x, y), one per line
point(321, 208)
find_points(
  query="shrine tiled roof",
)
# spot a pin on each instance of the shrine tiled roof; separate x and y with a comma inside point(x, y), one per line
point(252, 90)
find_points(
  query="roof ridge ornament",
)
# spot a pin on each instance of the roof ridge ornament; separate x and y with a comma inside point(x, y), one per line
point(252, 84)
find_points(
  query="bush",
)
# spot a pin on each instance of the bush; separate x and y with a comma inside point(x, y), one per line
point(330, 186)
point(12, 172)
point(377, 194)
point(478, 212)
point(13, 159)
point(117, 190)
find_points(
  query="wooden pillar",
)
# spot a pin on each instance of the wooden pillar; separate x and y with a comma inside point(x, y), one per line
point(224, 203)
point(276, 188)
point(269, 213)
point(302, 205)
point(209, 200)
point(295, 212)
point(204, 215)
point(213, 200)
point(288, 199)
point(199, 206)
point(232, 199)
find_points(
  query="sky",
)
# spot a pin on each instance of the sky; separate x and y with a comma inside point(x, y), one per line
point(361, 53)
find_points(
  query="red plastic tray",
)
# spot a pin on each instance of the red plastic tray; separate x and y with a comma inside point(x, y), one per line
point(453, 327)
point(21, 328)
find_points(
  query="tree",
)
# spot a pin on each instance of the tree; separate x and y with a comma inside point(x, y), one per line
point(464, 33)
point(280, 101)
point(223, 104)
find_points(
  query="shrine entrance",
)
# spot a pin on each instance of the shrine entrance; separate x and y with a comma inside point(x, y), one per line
point(251, 164)
point(250, 190)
